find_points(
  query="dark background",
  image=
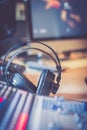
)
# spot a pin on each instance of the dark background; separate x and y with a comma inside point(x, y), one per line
point(11, 30)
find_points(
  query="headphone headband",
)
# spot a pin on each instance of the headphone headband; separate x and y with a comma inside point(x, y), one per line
point(24, 43)
point(22, 49)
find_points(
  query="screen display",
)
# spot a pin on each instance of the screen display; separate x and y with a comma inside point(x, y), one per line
point(57, 19)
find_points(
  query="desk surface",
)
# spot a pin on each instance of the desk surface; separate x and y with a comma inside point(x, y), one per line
point(73, 84)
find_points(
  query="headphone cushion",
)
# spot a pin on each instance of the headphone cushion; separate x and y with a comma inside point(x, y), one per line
point(45, 82)
point(18, 80)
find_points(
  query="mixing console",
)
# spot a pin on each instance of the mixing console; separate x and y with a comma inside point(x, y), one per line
point(20, 110)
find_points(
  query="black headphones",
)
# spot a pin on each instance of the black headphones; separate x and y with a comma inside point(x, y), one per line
point(48, 81)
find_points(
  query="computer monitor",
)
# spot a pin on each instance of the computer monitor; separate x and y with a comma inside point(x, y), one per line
point(60, 23)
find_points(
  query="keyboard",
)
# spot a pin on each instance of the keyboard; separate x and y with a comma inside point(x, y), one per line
point(20, 110)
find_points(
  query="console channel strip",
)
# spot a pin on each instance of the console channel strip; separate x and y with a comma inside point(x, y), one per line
point(20, 110)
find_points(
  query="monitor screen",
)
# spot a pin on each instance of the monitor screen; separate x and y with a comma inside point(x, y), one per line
point(57, 19)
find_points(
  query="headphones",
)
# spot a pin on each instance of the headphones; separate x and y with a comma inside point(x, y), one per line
point(48, 81)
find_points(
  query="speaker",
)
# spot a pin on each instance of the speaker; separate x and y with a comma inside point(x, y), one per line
point(48, 81)
point(7, 18)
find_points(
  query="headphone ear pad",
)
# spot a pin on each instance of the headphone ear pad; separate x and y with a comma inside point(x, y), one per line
point(45, 82)
point(18, 80)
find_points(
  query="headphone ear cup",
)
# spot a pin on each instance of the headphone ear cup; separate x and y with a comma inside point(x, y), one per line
point(45, 82)
point(19, 80)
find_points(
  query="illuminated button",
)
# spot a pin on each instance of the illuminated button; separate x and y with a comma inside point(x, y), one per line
point(1, 99)
point(77, 118)
point(80, 125)
point(53, 126)
point(2, 103)
point(59, 98)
